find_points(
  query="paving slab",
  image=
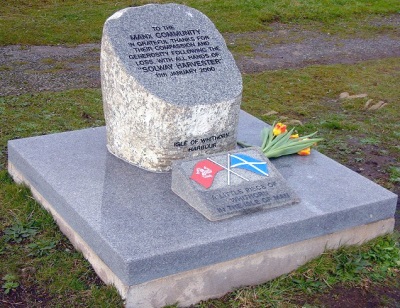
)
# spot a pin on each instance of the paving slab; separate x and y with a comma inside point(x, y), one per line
point(141, 233)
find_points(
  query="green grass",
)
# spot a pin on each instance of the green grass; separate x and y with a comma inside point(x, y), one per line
point(46, 113)
point(52, 22)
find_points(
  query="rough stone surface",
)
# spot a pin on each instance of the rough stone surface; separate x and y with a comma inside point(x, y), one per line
point(143, 231)
point(171, 89)
point(219, 190)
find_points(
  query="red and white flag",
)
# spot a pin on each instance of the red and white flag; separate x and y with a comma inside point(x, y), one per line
point(204, 172)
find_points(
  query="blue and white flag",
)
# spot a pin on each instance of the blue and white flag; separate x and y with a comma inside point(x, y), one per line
point(249, 163)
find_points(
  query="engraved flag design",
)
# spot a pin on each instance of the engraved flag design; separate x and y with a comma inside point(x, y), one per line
point(249, 163)
point(204, 172)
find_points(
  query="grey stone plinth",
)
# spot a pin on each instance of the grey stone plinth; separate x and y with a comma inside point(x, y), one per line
point(171, 88)
point(158, 250)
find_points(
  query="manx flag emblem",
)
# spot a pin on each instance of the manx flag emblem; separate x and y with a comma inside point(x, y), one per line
point(205, 170)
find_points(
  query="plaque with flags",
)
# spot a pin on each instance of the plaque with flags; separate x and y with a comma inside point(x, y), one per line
point(227, 184)
point(205, 170)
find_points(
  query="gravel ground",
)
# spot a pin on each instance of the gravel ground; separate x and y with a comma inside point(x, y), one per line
point(26, 69)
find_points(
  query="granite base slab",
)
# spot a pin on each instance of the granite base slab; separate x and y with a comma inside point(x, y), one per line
point(142, 235)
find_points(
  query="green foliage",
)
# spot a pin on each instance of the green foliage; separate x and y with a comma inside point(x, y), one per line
point(19, 232)
point(350, 267)
point(394, 173)
point(283, 144)
point(370, 140)
point(74, 22)
point(385, 253)
point(376, 262)
point(42, 248)
point(332, 125)
point(10, 283)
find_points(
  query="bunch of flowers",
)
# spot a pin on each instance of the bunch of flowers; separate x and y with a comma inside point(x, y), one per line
point(278, 141)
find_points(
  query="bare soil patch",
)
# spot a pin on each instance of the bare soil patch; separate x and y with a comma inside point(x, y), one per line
point(289, 46)
point(355, 297)
point(28, 69)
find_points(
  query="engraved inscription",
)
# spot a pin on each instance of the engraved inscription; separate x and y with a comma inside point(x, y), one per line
point(249, 197)
point(167, 52)
point(201, 143)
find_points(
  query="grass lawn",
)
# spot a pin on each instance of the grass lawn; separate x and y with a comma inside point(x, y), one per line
point(38, 265)
point(45, 22)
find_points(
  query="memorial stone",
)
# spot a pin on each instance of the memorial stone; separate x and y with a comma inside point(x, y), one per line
point(232, 183)
point(171, 89)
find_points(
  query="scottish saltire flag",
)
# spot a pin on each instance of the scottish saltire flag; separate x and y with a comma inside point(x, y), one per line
point(249, 163)
point(204, 172)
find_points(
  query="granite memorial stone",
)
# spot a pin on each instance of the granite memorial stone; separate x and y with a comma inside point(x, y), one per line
point(171, 89)
point(232, 183)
